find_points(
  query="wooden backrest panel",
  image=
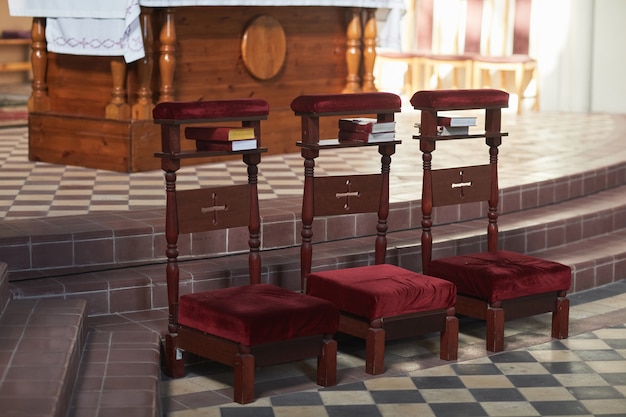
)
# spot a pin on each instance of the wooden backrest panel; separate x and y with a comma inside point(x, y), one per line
point(347, 194)
point(206, 209)
point(461, 185)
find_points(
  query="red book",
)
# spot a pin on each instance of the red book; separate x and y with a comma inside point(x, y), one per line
point(226, 145)
point(366, 124)
point(356, 136)
point(219, 133)
point(454, 121)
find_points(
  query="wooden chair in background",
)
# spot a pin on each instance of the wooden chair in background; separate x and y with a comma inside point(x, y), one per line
point(470, 19)
point(242, 326)
point(379, 301)
point(492, 285)
point(422, 15)
point(519, 62)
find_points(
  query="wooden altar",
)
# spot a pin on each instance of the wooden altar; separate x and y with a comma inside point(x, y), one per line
point(95, 111)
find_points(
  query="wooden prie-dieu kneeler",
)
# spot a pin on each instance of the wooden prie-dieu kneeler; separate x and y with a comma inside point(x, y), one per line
point(243, 326)
point(494, 285)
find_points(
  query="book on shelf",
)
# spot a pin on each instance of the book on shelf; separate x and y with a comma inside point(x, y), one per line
point(226, 145)
point(356, 136)
point(366, 124)
point(452, 130)
point(455, 121)
point(448, 130)
point(224, 133)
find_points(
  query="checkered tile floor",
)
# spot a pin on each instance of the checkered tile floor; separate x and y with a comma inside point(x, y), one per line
point(584, 375)
point(541, 146)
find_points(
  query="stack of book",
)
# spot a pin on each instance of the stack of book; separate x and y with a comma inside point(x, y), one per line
point(454, 125)
point(365, 129)
point(222, 138)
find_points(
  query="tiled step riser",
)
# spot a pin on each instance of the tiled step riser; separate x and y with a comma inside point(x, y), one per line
point(53, 252)
point(144, 288)
point(46, 338)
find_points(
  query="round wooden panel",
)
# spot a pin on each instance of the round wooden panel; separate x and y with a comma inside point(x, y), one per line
point(264, 47)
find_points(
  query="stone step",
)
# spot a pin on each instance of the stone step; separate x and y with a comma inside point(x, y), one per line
point(52, 365)
point(545, 231)
point(41, 343)
point(59, 246)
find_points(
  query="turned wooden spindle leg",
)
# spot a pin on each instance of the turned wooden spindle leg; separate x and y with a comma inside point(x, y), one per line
point(142, 109)
point(39, 100)
point(369, 50)
point(167, 58)
point(380, 253)
point(254, 225)
point(353, 51)
point(306, 249)
point(118, 108)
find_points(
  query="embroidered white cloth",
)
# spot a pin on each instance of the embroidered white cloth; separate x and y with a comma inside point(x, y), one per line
point(112, 27)
point(79, 27)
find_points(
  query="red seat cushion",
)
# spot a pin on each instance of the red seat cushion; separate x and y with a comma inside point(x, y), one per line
point(256, 314)
point(377, 291)
point(375, 102)
point(502, 275)
point(215, 109)
point(485, 98)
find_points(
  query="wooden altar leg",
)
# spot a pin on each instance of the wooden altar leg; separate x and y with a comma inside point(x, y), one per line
point(369, 50)
point(167, 59)
point(353, 51)
point(142, 109)
point(118, 108)
point(39, 100)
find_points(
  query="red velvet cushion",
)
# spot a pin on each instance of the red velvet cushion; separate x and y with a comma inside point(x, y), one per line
point(381, 290)
point(218, 109)
point(502, 275)
point(485, 98)
point(376, 102)
point(256, 314)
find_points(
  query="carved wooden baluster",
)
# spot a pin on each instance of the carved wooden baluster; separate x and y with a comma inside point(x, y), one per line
point(118, 108)
point(39, 100)
point(380, 253)
point(492, 126)
point(369, 50)
point(254, 227)
point(353, 51)
point(310, 135)
point(167, 59)
point(428, 128)
point(142, 109)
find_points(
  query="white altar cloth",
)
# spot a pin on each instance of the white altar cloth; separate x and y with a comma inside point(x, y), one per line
point(112, 27)
point(79, 27)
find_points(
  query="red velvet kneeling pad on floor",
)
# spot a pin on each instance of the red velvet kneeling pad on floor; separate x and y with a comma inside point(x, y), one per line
point(257, 314)
point(502, 275)
point(384, 290)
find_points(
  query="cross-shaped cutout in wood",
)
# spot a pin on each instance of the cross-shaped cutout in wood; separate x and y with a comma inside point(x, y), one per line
point(214, 208)
point(347, 194)
point(461, 184)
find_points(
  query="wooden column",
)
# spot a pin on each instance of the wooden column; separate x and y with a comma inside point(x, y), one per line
point(369, 50)
point(118, 108)
point(353, 51)
point(167, 58)
point(142, 109)
point(39, 100)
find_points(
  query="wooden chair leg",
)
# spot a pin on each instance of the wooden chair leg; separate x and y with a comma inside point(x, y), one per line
point(495, 329)
point(327, 364)
point(375, 351)
point(244, 379)
point(174, 360)
point(560, 318)
point(449, 339)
